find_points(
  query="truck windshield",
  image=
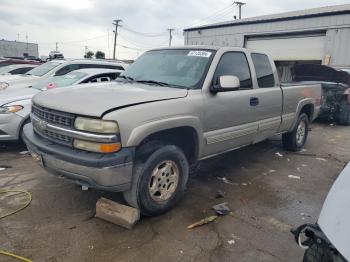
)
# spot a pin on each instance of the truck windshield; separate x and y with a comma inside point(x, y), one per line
point(183, 68)
point(43, 69)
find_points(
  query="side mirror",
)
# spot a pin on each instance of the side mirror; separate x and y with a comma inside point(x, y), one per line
point(227, 83)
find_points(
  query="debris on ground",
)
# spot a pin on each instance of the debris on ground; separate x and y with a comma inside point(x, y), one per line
point(116, 213)
point(304, 165)
point(84, 188)
point(303, 150)
point(243, 200)
point(272, 171)
point(279, 154)
point(220, 194)
point(202, 222)
point(244, 184)
point(298, 169)
point(225, 180)
point(221, 209)
point(294, 177)
point(231, 242)
point(25, 153)
point(321, 159)
point(4, 167)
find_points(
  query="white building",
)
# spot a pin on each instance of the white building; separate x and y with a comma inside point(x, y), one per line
point(320, 35)
point(18, 49)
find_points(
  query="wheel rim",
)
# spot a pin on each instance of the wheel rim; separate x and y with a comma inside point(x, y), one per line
point(164, 181)
point(301, 133)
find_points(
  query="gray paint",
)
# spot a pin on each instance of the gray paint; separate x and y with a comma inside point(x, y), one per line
point(336, 26)
point(18, 49)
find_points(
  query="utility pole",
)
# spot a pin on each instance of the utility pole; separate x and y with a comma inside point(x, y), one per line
point(56, 46)
point(170, 35)
point(86, 50)
point(239, 4)
point(116, 23)
point(18, 37)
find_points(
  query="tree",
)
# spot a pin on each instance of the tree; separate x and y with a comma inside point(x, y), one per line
point(89, 54)
point(100, 55)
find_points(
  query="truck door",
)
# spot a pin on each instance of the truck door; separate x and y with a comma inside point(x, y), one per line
point(230, 119)
point(268, 96)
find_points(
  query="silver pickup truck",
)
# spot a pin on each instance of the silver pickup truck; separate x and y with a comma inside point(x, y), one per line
point(171, 108)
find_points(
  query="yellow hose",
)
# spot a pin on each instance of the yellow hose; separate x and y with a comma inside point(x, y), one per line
point(3, 252)
point(14, 256)
point(22, 207)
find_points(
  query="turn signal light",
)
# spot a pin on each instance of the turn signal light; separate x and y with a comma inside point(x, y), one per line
point(97, 147)
point(110, 148)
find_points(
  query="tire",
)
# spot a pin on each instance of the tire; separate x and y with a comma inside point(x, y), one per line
point(318, 253)
point(159, 181)
point(296, 139)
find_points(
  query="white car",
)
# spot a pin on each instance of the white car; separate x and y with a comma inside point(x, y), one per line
point(54, 68)
point(15, 104)
point(16, 69)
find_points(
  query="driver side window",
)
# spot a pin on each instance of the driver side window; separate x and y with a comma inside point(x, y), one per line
point(234, 64)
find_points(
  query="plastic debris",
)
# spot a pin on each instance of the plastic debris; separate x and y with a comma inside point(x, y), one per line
point(272, 171)
point(220, 194)
point(244, 184)
point(181, 252)
point(26, 152)
point(279, 154)
point(321, 159)
point(222, 209)
point(202, 222)
point(303, 150)
point(84, 188)
point(231, 242)
point(225, 180)
point(294, 177)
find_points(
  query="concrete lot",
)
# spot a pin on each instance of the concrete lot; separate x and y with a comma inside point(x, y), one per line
point(59, 224)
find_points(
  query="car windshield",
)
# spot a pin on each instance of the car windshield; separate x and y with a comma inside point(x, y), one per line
point(60, 81)
point(182, 68)
point(43, 69)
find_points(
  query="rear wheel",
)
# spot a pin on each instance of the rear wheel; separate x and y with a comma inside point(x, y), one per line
point(159, 181)
point(296, 139)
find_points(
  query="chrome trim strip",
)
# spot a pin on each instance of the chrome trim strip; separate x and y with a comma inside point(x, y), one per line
point(42, 125)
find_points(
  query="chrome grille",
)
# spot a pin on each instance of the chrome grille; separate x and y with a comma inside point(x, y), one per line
point(63, 138)
point(53, 116)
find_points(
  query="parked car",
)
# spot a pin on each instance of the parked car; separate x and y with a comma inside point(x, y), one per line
point(335, 90)
point(54, 68)
point(328, 239)
point(17, 69)
point(15, 104)
point(171, 108)
point(9, 61)
point(55, 55)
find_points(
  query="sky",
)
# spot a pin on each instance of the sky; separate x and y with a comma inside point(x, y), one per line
point(79, 25)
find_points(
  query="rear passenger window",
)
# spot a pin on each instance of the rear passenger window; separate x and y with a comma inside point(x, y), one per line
point(236, 64)
point(263, 70)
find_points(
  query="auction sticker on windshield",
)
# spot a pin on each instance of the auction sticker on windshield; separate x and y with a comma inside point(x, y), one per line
point(199, 53)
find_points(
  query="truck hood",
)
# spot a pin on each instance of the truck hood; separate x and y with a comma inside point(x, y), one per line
point(13, 95)
point(95, 99)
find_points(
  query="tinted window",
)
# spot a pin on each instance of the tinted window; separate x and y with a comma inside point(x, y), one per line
point(236, 64)
point(20, 71)
point(66, 69)
point(101, 66)
point(263, 70)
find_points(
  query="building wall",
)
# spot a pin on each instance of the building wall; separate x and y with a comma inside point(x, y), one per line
point(337, 29)
point(17, 49)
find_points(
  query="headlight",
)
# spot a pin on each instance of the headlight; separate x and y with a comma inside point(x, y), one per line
point(97, 147)
point(96, 125)
point(3, 85)
point(10, 109)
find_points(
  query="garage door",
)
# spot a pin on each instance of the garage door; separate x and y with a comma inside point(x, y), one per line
point(290, 48)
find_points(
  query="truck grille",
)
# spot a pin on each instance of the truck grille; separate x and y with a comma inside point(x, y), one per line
point(53, 116)
point(57, 118)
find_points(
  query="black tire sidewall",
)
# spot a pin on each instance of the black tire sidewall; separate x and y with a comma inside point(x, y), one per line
point(145, 202)
point(302, 117)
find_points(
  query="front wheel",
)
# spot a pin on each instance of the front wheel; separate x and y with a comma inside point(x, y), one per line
point(159, 182)
point(296, 139)
point(318, 253)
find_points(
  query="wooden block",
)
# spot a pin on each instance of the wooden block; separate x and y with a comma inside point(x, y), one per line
point(116, 213)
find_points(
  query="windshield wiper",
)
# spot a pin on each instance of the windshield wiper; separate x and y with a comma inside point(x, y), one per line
point(153, 82)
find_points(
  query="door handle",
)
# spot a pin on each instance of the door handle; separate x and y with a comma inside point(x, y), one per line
point(254, 101)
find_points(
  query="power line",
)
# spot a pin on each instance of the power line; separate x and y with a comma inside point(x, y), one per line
point(127, 28)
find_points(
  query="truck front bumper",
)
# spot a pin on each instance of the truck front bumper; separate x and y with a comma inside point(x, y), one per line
point(110, 172)
point(10, 125)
